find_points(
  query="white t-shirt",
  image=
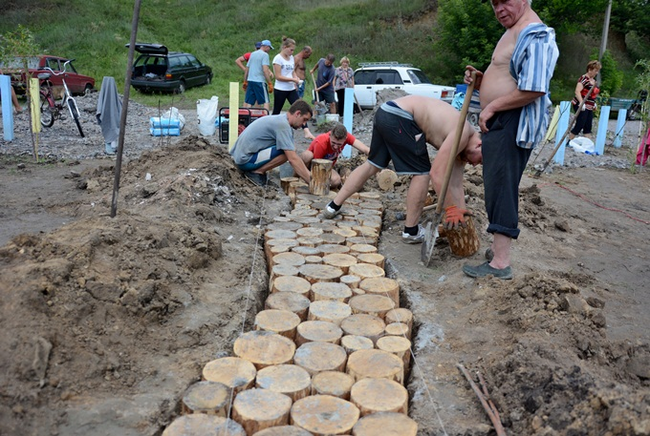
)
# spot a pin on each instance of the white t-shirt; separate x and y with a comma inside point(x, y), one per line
point(286, 70)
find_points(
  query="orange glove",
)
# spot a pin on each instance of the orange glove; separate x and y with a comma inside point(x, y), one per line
point(270, 88)
point(455, 217)
point(245, 85)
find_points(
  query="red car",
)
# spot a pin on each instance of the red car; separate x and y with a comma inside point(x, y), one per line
point(77, 83)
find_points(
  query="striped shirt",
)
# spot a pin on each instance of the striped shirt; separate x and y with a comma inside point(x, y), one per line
point(532, 65)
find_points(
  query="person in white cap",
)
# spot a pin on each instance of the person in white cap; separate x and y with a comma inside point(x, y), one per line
point(258, 74)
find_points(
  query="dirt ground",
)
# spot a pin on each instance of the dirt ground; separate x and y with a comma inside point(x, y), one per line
point(104, 322)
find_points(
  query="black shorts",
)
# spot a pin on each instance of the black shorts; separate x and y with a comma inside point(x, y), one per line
point(399, 139)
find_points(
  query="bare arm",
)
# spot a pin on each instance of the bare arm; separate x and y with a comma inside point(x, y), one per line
point(298, 165)
point(267, 73)
point(363, 148)
point(240, 63)
point(277, 69)
point(577, 92)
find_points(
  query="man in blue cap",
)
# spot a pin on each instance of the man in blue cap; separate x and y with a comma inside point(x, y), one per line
point(258, 74)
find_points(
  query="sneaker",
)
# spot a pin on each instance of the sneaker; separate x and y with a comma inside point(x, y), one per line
point(485, 269)
point(329, 212)
point(414, 239)
point(257, 178)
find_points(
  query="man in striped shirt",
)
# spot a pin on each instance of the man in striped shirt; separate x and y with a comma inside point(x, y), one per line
point(513, 120)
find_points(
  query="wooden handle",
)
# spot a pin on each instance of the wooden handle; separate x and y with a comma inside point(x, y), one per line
point(454, 148)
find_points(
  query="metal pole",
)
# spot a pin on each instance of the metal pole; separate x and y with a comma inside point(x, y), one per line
point(125, 106)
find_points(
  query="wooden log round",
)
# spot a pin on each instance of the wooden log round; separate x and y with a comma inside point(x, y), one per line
point(334, 383)
point(290, 380)
point(282, 270)
point(269, 250)
point(371, 195)
point(257, 409)
point(365, 230)
point(310, 241)
point(371, 304)
point(400, 314)
point(375, 364)
point(366, 271)
point(464, 241)
point(340, 260)
point(332, 238)
point(291, 301)
point(236, 373)
point(372, 395)
point(313, 259)
point(352, 343)
point(284, 430)
point(367, 244)
point(385, 423)
point(280, 321)
point(325, 415)
point(366, 325)
point(386, 179)
point(381, 286)
point(373, 259)
point(330, 291)
point(207, 397)
point(326, 249)
point(397, 345)
point(202, 424)
point(286, 181)
point(282, 241)
point(398, 329)
point(320, 273)
point(306, 220)
point(273, 250)
point(318, 331)
point(351, 280)
point(321, 171)
point(329, 310)
point(309, 232)
point(288, 258)
point(316, 357)
point(306, 251)
point(284, 225)
point(280, 234)
point(345, 232)
point(263, 348)
point(291, 284)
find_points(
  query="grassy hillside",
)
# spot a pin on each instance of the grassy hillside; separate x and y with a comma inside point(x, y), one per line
point(217, 32)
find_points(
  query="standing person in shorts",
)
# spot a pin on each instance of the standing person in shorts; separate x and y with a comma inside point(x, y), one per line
point(400, 133)
point(258, 74)
point(513, 120)
point(325, 81)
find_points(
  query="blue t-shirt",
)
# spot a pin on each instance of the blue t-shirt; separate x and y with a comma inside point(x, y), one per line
point(325, 75)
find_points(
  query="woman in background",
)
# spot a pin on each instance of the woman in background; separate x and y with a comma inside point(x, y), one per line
point(343, 78)
point(585, 118)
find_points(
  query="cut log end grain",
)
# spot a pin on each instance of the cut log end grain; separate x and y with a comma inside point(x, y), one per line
point(288, 258)
point(351, 280)
point(263, 348)
point(371, 304)
point(317, 357)
point(325, 415)
point(318, 331)
point(398, 329)
point(206, 397)
point(282, 322)
point(352, 343)
point(290, 301)
point(285, 182)
point(340, 260)
point(284, 430)
point(333, 248)
point(234, 372)
point(329, 310)
point(291, 380)
point(363, 324)
point(320, 273)
point(397, 345)
point(385, 424)
point(381, 286)
point(334, 383)
point(365, 270)
point(375, 364)
point(400, 314)
point(372, 395)
point(280, 234)
point(291, 284)
point(330, 291)
point(373, 259)
point(201, 424)
point(257, 409)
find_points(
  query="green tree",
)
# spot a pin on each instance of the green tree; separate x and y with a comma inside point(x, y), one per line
point(585, 15)
point(466, 34)
point(612, 77)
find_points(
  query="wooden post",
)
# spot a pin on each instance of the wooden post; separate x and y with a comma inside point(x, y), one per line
point(207, 397)
point(386, 423)
point(236, 373)
point(257, 409)
point(325, 415)
point(334, 383)
point(316, 357)
point(464, 242)
point(321, 171)
point(263, 348)
point(372, 395)
point(290, 380)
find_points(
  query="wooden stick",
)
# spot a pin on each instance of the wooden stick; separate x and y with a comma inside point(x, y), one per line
point(495, 421)
point(487, 396)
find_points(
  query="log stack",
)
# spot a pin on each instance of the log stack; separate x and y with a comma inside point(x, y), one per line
point(330, 351)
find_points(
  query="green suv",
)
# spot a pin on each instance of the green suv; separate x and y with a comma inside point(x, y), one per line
point(157, 69)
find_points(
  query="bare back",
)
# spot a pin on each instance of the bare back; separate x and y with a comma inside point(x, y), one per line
point(299, 65)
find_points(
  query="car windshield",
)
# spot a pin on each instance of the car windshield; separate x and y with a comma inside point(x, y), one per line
point(418, 77)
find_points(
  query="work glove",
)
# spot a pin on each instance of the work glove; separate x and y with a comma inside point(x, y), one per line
point(245, 86)
point(455, 217)
point(270, 88)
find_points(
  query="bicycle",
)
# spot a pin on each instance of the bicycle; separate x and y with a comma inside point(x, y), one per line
point(50, 109)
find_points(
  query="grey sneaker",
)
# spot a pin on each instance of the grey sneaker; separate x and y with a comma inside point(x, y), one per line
point(414, 239)
point(329, 212)
point(485, 269)
point(257, 178)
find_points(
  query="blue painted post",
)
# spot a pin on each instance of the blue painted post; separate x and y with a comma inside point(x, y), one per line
point(7, 108)
point(620, 127)
point(348, 112)
point(602, 130)
point(562, 126)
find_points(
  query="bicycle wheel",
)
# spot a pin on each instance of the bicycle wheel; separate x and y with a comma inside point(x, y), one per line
point(47, 111)
point(74, 110)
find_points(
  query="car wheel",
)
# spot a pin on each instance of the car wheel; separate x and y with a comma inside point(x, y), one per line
point(88, 89)
point(208, 79)
point(633, 114)
point(181, 87)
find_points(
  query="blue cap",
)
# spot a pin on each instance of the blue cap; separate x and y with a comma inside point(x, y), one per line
point(258, 45)
point(267, 42)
